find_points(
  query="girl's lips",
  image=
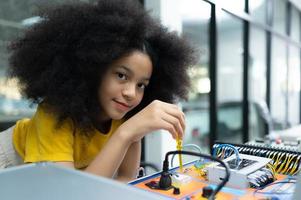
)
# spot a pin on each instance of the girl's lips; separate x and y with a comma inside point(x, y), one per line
point(122, 106)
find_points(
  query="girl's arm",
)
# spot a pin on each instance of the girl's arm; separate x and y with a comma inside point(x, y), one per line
point(129, 167)
point(157, 115)
point(108, 160)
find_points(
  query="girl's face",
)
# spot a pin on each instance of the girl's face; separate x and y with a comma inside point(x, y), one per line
point(123, 84)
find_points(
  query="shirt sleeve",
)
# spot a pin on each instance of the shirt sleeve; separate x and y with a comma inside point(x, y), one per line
point(46, 141)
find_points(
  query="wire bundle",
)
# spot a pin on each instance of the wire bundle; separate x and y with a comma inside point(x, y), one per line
point(257, 179)
point(283, 161)
point(226, 151)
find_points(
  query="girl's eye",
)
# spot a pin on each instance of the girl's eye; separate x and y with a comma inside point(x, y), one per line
point(141, 86)
point(121, 76)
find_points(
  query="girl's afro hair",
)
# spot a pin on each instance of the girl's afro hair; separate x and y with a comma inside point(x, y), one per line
point(59, 60)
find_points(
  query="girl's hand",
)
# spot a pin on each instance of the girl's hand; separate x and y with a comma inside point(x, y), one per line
point(157, 115)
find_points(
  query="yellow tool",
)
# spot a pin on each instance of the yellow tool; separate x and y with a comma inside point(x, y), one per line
point(179, 148)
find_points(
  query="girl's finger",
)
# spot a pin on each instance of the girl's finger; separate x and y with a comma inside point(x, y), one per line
point(175, 112)
point(175, 123)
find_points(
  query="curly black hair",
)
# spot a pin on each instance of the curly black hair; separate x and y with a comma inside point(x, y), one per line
point(60, 59)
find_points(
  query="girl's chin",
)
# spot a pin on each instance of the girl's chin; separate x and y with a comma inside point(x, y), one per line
point(118, 117)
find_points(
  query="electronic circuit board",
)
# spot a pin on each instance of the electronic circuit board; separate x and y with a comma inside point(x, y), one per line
point(240, 170)
point(193, 188)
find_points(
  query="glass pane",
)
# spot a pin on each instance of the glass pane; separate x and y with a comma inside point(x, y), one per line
point(14, 16)
point(191, 19)
point(279, 15)
point(295, 25)
point(257, 82)
point(229, 73)
point(257, 10)
point(294, 86)
point(195, 27)
point(12, 105)
point(278, 82)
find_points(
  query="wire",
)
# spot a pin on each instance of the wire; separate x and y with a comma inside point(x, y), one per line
point(275, 183)
point(272, 168)
point(295, 166)
point(179, 148)
point(229, 146)
point(283, 162)
point(186, 145)
point(219, 186)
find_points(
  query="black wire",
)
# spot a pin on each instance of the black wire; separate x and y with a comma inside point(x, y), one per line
point(219, 186)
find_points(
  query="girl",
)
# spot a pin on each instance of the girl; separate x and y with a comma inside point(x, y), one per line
point(104, 75)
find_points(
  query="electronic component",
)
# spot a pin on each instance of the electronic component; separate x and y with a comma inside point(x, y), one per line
point(278, 144)
point(260, 178)
point(284, 161)
point(207, 191)
point(180, 179)
point(156, 185)
point(165, 181)
point(239, 171)
point(165, 169)
point(176, 191)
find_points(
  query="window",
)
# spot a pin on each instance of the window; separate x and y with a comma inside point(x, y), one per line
point(257, 10)
point(229, 78)
point(279, 15)
point(14, 17)
point(295, 25)
point(257, 82)
point(278, 81)
point(197, 108)
point(294, 86)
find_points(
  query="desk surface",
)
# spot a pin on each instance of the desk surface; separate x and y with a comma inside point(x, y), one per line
point(193, 189)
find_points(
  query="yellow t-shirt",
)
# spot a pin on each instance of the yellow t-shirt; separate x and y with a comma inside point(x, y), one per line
point(37, 139)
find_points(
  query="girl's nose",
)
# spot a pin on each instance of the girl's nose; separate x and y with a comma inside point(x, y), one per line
point(129, 90)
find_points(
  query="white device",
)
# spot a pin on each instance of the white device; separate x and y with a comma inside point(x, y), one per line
point(238, 173)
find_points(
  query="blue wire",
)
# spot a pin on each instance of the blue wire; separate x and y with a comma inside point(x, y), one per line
point(230, 146)
point(184, 146)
